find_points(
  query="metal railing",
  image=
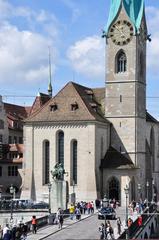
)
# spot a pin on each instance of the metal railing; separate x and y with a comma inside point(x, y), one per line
point(134, 228)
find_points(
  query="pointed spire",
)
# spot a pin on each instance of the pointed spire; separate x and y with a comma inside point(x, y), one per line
point(50, 77)
point(134, 10)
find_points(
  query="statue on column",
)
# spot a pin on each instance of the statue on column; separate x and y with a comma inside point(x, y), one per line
point(58, 172)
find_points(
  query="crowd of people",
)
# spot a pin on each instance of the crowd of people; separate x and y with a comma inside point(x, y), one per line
point(18, 231)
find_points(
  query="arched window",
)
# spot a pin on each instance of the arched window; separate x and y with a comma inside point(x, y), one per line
point(46, 161)
point(73, 162)
point(60, 151)
point(121, 62)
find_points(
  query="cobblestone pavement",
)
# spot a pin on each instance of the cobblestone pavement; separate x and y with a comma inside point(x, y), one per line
point(87, 228)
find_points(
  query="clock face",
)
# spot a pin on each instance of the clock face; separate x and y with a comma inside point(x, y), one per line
point(121, 32)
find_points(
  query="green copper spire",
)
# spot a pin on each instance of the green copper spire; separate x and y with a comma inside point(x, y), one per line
point(50, 84)
point(133, 8)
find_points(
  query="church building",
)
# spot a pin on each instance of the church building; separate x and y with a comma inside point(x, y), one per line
point(104, 137)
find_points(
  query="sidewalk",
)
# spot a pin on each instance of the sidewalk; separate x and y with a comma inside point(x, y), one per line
point(48, 230)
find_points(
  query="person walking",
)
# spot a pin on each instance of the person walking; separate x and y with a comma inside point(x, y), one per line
point(61, 219)
point(34, 224)
point(71, 210)
point(101, 230)
point(118, 225)
point(78, 213)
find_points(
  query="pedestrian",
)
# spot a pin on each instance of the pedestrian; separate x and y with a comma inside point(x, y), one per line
point(61, 219)
point(111, 232)
point(34, 224)
point(5, 229)
point(101, 230)
point(130, 221)
point(118, 225)
point(1, 232)
point(92, 207)
point(18, 233)
point(13, 232)
point(139, 221)
point(78, 213)
point(71, 211)
point(24, 231)
point(7, 235)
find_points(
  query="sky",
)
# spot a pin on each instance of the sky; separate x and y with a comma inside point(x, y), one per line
point(72, 30)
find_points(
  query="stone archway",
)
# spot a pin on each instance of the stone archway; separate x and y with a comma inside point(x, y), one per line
point(114, 188)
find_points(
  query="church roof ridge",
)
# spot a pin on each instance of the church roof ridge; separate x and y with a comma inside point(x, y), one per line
point(133, 8)
point(70, 93)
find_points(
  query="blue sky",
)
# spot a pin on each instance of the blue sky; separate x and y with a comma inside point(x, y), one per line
point(72, 29)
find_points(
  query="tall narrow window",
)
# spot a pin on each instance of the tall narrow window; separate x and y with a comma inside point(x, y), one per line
point(46, 154)
point(74, 160)
point(61, 147)
point(121, 62)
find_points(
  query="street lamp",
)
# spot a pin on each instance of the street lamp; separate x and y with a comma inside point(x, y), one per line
point(12, 191)
point(49, 187)
point(105, 204)
point(147, 192)
point(139, 190)
point(126, 189)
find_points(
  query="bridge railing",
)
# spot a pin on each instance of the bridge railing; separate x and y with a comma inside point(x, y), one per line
point(134, 228)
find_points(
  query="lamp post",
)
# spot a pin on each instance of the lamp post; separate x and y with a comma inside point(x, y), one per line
point(147, 192)
point(139, 190)
point(105, 204)
point(12, 191)
point(126, 189)
point(49, 187)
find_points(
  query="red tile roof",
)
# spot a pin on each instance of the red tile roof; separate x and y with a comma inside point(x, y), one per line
point(68, 95)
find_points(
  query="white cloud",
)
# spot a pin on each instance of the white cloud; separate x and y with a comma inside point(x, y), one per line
point(24, 53)
point(87, 56)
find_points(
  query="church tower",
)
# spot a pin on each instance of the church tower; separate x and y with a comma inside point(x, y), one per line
point(125, 101)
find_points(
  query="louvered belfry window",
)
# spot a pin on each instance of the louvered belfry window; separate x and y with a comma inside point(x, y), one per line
point(121, 62)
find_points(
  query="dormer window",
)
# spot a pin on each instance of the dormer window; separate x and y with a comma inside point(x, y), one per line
point(74, 106)
point(89, 93)
point(53, 107)
point(94, 106)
